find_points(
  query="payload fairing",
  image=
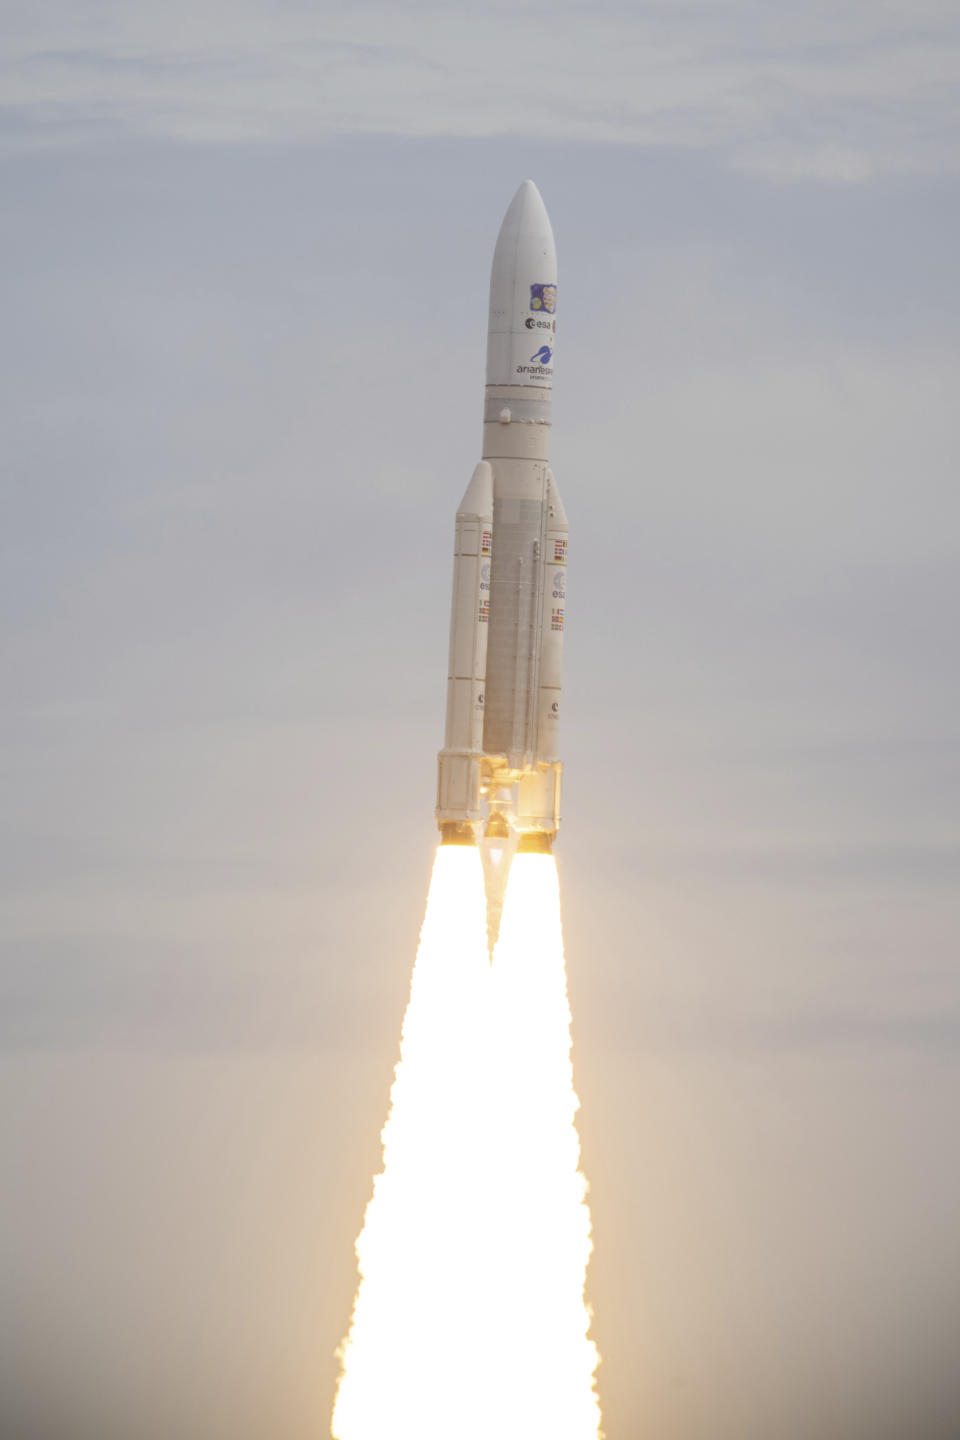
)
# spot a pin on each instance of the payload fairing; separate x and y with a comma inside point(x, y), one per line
point(499, 769)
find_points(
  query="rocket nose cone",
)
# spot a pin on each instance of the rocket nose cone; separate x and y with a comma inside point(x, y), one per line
point(527, 190)
point(526, 215)
point(523, 295)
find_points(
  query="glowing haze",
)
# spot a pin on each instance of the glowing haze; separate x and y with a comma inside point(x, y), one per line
point(470, 1313)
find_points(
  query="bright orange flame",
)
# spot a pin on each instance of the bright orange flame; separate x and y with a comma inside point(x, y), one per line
point(470, 1319)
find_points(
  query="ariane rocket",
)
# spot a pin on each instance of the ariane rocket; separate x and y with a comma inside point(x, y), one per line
point(499, 769)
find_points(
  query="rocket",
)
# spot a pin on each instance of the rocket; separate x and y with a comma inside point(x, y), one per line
point(499, 769)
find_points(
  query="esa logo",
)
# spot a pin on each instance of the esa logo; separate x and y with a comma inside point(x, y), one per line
point(532, 324)
point(560, 586)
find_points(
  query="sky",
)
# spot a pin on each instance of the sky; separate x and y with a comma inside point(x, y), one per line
point(247, 253)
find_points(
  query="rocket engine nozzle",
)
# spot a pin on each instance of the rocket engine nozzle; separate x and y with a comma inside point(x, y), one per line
point(497, 827)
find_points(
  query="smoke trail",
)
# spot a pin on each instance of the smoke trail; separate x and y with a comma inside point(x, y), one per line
point(549, 1360)
point(422, 1326)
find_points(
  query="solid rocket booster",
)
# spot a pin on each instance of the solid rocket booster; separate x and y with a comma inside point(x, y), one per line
point(500, 761)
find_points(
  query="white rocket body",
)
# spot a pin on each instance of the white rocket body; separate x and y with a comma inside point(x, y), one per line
point(500, 761)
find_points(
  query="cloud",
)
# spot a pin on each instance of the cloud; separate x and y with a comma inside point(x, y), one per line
point(841, 94)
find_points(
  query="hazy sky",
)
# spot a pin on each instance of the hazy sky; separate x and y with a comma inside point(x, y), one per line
point(246, 256)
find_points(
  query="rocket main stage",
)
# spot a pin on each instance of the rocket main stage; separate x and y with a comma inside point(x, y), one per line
point(499, 769)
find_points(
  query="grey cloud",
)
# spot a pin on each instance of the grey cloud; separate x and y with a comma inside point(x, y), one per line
point(841, 94)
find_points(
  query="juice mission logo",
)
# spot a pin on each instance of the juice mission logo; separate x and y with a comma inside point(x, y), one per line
point(544, 297)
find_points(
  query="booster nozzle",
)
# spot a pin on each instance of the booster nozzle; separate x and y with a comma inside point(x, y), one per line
point(457, 832)
point(536, 842)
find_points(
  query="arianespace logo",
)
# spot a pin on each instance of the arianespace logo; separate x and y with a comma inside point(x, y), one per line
point(543, 297)
point(540, 363)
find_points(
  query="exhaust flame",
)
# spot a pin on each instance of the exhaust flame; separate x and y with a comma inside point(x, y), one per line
point(546, 1238)
point(470, 1318)
point(418, 1324)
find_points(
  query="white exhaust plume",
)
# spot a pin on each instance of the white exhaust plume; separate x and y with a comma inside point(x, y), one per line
point(549, 1356)
point(470, 1320)
point(416, 1351)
